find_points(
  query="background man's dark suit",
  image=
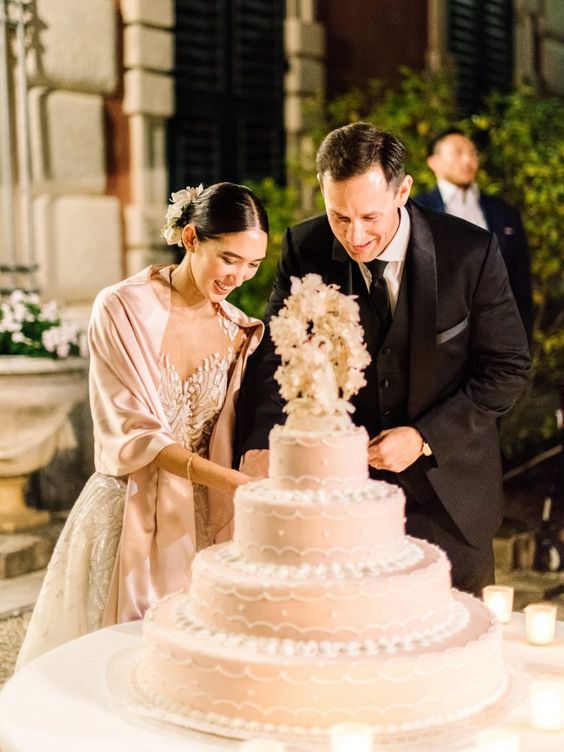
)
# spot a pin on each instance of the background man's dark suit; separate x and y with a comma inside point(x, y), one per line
point(506, 223)
point(467, 361)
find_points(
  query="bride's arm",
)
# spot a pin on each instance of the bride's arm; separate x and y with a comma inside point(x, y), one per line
point(175, 458)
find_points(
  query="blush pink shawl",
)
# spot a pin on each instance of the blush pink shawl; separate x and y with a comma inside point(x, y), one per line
point(157, 543)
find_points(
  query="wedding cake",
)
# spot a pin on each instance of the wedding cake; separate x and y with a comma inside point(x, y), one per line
point(321, 610)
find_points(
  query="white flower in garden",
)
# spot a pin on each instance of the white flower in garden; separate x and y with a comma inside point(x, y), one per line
point(50, 311)
point(49, 339)
point(19, 337)
point(7, 321)
point(19, 311)
point(17, 296)
point(63, 349)
point(29, 328)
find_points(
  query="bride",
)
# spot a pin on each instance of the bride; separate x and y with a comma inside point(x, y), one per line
point(167, 357)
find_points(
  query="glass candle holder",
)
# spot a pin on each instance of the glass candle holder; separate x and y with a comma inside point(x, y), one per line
point(498, 740)
point(499, 599)
point(540, 623)
point(351, 737)
point(546, 704)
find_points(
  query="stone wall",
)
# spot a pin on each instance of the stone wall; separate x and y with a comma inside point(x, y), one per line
point(305, 52)
point(148, 104)
point(539, 44)
point(73, 64)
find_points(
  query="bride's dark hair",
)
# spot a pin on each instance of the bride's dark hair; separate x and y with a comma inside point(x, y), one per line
point(223, 208)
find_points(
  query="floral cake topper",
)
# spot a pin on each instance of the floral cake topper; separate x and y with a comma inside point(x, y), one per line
point(320, 341)
point(175, 213)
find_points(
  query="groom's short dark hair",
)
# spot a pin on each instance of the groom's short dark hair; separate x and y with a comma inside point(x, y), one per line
point(356, 148)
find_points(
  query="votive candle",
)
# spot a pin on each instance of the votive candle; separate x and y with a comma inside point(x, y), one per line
point(351, 737)
point(262, 745)
point(498, 740)
point(546, 704)
point(499, 599)
point(540, 623)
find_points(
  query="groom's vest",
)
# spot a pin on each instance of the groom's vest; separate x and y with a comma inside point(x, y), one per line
point(382, 403)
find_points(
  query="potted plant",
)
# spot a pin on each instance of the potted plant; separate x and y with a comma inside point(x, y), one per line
point(42, 376)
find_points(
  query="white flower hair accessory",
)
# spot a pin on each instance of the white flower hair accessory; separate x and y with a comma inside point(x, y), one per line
point(179, 202)
point(320, 341)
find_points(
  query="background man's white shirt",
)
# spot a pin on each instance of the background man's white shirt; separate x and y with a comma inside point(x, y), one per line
point(463, 203)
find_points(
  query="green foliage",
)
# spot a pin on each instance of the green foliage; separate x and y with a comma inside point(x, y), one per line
point(419, 106)
point(524, 163)
point(283, 210)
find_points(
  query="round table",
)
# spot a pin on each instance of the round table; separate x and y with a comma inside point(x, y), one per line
point(61, 702)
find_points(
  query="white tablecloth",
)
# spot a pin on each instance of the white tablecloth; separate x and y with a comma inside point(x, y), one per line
point(61, 702)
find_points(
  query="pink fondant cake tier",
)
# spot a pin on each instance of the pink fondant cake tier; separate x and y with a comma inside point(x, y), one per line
point(323, 602)
point(332, 461)
point(310, 527)
point(242, 681)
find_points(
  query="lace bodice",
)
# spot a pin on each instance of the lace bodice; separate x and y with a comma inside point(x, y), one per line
point(192, 406)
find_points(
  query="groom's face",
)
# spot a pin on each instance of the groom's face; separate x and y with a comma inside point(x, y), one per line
point(363, 211)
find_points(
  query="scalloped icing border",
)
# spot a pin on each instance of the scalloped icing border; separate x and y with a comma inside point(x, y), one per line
point(123, 684)
point(457, 620)
point(410, 554)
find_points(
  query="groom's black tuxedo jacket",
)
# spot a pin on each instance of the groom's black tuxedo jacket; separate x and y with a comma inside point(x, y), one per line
point(506, 223)
point(465, 359)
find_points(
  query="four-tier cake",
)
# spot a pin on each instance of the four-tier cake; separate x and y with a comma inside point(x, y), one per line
point(320, 610)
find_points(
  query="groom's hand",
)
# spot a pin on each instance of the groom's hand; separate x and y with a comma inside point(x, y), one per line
point(255, 463)
point(395, 449)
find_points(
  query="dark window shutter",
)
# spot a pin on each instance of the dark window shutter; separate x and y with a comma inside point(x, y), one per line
point(481, 42)
point(229, 122)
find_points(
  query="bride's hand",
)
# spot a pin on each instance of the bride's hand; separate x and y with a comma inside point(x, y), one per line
point(237, 479)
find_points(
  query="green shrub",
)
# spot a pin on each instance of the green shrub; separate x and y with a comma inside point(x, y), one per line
point(283, 210)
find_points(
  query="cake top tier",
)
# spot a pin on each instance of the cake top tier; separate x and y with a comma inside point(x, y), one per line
point(320, 341)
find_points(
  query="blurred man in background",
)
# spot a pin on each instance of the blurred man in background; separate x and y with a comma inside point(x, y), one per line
point(454, 160)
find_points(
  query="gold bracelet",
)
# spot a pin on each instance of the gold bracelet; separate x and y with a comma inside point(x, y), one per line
point(189, 466)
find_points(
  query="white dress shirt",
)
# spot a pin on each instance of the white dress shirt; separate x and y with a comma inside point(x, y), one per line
point(394, 254)
point(463, 203)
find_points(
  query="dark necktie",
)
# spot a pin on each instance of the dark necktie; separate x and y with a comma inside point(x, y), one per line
point(379, 293)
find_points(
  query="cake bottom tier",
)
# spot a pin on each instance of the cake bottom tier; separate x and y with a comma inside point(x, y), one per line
point(393, 690)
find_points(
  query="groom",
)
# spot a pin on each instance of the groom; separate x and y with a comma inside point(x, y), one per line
point(449, 353)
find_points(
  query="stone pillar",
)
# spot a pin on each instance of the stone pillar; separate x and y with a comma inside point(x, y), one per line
point(437, 55)
point(72, 65)
point(539, 44)
point(148, 103)
point(305, 52)
point(553, 47)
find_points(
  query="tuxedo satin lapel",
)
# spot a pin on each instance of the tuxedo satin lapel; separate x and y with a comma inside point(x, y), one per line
point(422, 279)
point(340, 271)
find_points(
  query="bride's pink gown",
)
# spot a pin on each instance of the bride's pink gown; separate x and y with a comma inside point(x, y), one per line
point(157, 377)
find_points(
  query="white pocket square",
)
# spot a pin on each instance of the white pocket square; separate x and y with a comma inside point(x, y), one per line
point(452, 332)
